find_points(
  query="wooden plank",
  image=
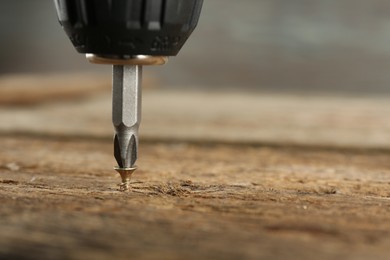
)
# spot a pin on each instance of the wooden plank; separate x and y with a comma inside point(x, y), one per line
point(229, 196)
point(59, 200)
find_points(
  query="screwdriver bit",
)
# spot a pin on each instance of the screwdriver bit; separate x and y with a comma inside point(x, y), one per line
point(126, 117)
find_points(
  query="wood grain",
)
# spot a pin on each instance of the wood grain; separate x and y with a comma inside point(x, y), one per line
point(236, 195)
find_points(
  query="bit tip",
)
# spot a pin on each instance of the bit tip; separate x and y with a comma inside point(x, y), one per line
point(125, 150)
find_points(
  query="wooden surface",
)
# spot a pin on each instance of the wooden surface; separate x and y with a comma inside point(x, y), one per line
point(221, 176)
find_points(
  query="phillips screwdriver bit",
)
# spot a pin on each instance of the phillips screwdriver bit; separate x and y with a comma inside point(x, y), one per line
point(126, 117)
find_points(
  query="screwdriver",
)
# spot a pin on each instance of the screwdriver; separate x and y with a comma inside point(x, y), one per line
point(128, 34)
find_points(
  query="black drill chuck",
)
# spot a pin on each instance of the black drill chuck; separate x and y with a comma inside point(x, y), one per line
point(128, 27)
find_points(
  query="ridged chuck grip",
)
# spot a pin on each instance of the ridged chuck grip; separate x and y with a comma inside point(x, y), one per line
point(128, 27)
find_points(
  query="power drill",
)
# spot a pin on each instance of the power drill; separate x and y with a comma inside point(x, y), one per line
point(128, 34)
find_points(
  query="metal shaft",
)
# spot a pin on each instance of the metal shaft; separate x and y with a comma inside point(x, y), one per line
point(126, 114)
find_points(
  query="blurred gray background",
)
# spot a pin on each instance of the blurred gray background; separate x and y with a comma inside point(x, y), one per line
point(340, 46)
